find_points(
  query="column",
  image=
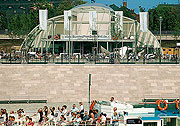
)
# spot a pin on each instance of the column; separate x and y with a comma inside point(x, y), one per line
point(72, 48)
point(66, 47)
point(107, 46)
point(82, 47)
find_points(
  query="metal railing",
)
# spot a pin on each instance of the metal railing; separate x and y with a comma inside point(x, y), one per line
point(129, 58)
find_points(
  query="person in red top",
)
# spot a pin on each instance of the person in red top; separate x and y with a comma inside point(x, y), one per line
point(92, 105)
point(30, 122)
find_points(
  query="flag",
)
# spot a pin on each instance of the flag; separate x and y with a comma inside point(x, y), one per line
point(43, 19)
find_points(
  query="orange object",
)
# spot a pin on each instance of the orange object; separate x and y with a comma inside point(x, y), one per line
point(56, 37)
point(177, 104)
point(99, 119)
point(115, 38)
point(91, 106)
point(162, 101)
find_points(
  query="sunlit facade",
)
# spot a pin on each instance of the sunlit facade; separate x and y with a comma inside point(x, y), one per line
point(82, 39)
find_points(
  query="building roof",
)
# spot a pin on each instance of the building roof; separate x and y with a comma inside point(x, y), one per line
point(93, 4)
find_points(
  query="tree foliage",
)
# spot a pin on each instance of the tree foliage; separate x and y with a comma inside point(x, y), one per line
point(126, 12)
point(169, 15)
point(22, 24)
point(67, 5)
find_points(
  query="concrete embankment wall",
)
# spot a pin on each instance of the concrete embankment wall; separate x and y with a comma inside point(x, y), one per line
point(69, 83)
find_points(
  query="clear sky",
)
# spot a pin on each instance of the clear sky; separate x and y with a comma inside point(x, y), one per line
point(134, 4)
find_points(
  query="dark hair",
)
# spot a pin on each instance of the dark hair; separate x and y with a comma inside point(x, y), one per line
point(63, 117)
point(91, 111)
point(30, 119)
point(65, 106)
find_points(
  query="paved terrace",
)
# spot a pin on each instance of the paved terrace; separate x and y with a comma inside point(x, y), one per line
point(69, 83)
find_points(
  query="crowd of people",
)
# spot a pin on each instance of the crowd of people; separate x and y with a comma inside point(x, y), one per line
point(58, 116)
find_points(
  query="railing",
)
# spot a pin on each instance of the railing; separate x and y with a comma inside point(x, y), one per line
point(129, 58)
point(56, 122)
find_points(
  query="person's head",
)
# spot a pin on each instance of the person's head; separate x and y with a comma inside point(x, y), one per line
point(74, 106)
point(12, 112)
point(115, 113)
point(96, 111)
point(64, 107)
point(78, 115)
point(74, 115)
point(92, 101)
point(13, 118)
point(62, 117)
point(86, 113)
point(91, 111)
point(112, 99)
point(10, 119)
point(27, 118)
point(115, 109)
point(39, 110)
point(80, 103)
point(30, 119)
point(45, 107)
point(4, 110)
point(53, 108)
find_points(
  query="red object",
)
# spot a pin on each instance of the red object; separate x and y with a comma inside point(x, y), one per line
point(30, 124)
point(91, 106)
point(115, 38)
point(56, 37)
point(177, 104)
point(162, 101)
point(99, 119)
point(11, 33)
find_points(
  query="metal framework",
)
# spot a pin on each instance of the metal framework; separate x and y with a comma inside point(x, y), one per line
point(105, 25)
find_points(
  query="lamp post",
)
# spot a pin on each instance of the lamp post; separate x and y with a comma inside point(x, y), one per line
point(89, 90)
point(69, 17)
point(53, 22)
point(160, 19)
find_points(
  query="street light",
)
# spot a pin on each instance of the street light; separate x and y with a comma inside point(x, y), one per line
point(160, 19)
point(69, 17)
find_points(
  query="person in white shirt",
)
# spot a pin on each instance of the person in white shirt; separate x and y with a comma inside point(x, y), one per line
point(115, 119)
point(77, 120)
point(74, 109)
point(64, 110)
point(81, 110)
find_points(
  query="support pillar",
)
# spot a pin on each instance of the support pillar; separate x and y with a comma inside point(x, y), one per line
point(82, 47)
point(72, 47)
point(66, 47)
point(107, 46)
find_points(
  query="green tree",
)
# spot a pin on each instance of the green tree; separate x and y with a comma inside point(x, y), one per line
point(126, 12)
point(169, 15)
point(3, 21)
point(67, 5)
point(141, 9)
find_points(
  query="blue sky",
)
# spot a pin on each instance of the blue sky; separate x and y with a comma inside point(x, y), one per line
point(134, 4)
